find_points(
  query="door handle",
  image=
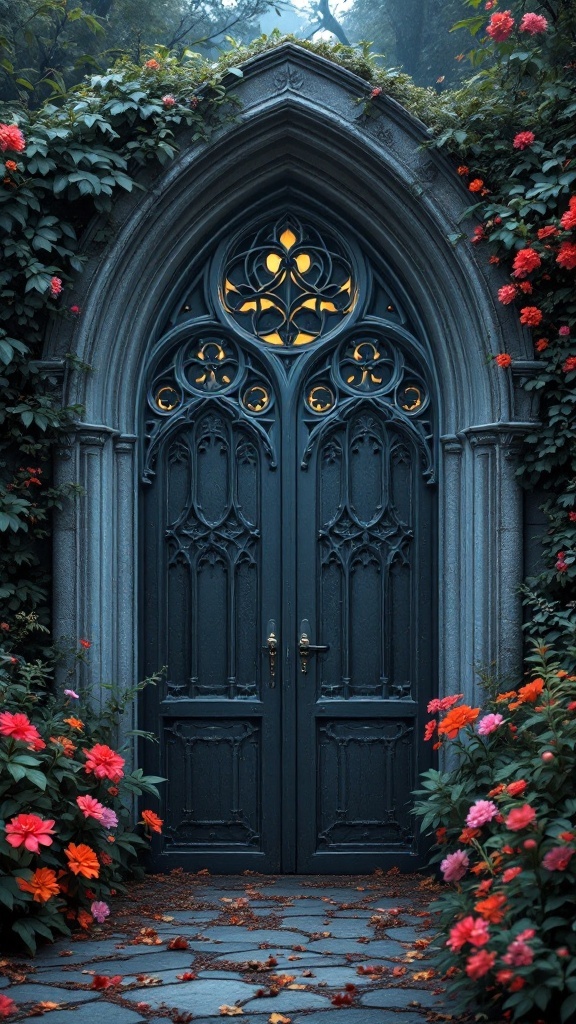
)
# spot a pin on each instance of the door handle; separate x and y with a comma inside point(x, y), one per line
point(271, 646)
point(305, 648)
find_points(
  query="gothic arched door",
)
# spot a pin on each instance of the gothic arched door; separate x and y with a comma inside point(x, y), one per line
point(288, 563)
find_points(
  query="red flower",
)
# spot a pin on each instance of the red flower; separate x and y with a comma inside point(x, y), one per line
point(526, 287)
point(377, 91)
point(443, 703)
point(567, 255)
point(19, 727)
point(30, 831)
point(533, 23)
point(523, 140)
point(516, 788)
point(511, 873)
point(507, 294)
point(11, 138)
point(85, 644)
point(104, 762)
point(520, 817)
point(541, 344)
point(548, 232)
point(531, 316)
point(569, 364)
point(152, 64)
point(471, 929)
point(525, 261)
point(568, 219)
point(500, 26)
point(476, 185)
point(479, 964)
point(55, 286)
point(463, 169)
point(503, 359)
point(430, 729)
point(168, 101)
point(7, 1006)
point(75, 310)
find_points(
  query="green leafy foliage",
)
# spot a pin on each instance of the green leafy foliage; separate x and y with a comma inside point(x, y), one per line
point(504, 821)
point(45, 768)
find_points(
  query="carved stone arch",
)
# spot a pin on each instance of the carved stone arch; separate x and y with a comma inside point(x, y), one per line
point(299, 131)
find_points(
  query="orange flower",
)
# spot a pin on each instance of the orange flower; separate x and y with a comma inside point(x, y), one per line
point(85, 920)
point(468, 834)
point(493, 908)
point(68, 747)
point(528, 694)
point(43, 885)
point(497, 789)
point(152, 821)
point(476, 185)
point(457, 719)
point(74, 723)
point(507, 695)
point(82, 860)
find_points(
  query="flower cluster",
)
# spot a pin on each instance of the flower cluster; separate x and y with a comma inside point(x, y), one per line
point(505, 830)
point(65, 837)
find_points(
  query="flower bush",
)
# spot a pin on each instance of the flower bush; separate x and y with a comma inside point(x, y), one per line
point(67, 838)
point(504, 822)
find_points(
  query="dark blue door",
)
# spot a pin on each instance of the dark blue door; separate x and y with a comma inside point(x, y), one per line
point(288, 559)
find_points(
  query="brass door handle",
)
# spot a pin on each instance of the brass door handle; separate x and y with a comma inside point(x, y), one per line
point(305, 648)
point(271, 646)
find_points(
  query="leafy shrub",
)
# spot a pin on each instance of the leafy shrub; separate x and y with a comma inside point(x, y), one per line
point(505, 829)
point(66, 832)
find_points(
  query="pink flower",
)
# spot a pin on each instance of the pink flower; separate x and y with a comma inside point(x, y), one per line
point(500, 26)
point(109, 818)
point(558, 858)
point(520, 817)
point(30, 831)
point(523, 140)
point(518, 953)
point(444, 703)
point(100, 911)
point(455, 866)
point(481, 812)
point(104, 762)
point(11, 138)
point(90, 807)
point(75, 310)
point(479, 964)
point(471, 929)
point(168, 101)
point(55, 286)
point(489, 723)
point(564, 332)
point(70, 693)
point(507, 294)
point(533, 23)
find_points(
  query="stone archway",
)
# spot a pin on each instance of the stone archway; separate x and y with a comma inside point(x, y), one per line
point(299, 122)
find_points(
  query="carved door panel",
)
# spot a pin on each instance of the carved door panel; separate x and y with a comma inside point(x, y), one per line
point(211, 583)
point(365, 591)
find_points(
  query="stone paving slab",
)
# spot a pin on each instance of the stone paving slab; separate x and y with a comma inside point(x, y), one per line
point(31, 993)
point(198, 997)
point(107, 1013)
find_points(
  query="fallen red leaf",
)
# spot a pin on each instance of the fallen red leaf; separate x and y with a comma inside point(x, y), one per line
point(178, 943)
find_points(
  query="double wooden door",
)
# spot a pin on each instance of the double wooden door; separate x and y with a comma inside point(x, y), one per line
point(289, 589)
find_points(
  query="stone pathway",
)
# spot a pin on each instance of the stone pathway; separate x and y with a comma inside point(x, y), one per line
point(259, 948)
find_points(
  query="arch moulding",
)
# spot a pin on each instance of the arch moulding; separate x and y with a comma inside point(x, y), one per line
point(299, 131)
